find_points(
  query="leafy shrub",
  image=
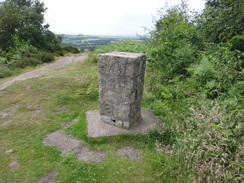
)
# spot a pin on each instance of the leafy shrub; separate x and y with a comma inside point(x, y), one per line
point(160, 108)
point(45, 57)
point(3, 60)
point(218, 73)
point(237, 42)
point(4, 71)
point(26, 61)
point(21, 49)
point(172, 50)
point(25, 49)
point(60, 53)
point(204, 71)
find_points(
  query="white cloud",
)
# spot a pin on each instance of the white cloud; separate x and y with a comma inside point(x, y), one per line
point(104, 17)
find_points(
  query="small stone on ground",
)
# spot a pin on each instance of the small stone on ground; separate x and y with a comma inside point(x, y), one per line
point(14, 164)
point(11, 151)
point(48, 178)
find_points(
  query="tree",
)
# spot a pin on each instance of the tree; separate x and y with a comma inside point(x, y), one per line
point(25, 19)
point(9, 20)
point(222, 20)
point(172, 47)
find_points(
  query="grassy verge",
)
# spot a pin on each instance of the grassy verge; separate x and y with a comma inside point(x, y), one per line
point(38, 106)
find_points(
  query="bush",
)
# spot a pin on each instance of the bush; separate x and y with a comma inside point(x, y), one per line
point(45, 57)
point(237, 43)
point(160, 108)
point(174, 45)
point(60, 53)
point(218, 73)
point(71, 49)
point(26, 61)
point(4, 71)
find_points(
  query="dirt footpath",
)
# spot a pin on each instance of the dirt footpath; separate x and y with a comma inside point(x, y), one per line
point(62, 61)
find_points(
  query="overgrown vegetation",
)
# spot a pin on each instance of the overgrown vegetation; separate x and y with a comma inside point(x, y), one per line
point(195, 85)
point(24, 39)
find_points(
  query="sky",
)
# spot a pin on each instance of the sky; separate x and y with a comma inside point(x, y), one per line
point(105, 17)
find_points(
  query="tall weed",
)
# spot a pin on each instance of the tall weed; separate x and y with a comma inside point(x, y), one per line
point(86, 86)
point(212, 141)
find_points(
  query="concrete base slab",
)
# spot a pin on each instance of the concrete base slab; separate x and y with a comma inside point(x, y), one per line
point(98, 129)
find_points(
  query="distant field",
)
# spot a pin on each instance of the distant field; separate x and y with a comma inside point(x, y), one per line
point(83, 42)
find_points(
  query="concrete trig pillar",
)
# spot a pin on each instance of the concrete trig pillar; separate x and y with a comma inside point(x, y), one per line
point(121, 79)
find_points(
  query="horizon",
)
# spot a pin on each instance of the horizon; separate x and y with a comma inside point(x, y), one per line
point(117, 35)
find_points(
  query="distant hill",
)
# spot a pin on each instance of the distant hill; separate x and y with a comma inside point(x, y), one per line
point(83, 42)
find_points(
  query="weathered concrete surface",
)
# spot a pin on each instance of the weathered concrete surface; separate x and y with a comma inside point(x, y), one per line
point(121, 79)
point(66, 143)
point(63, 141)
point(98, 129)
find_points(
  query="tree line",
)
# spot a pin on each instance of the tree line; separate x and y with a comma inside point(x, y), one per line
point(89, 44)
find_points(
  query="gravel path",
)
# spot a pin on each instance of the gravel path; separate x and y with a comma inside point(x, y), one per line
point(62, 61)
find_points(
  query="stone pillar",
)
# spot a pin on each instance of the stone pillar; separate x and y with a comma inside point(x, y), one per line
point(121, 79)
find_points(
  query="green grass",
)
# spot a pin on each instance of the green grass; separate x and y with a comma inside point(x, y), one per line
point(42, 105)
point(39, 106)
